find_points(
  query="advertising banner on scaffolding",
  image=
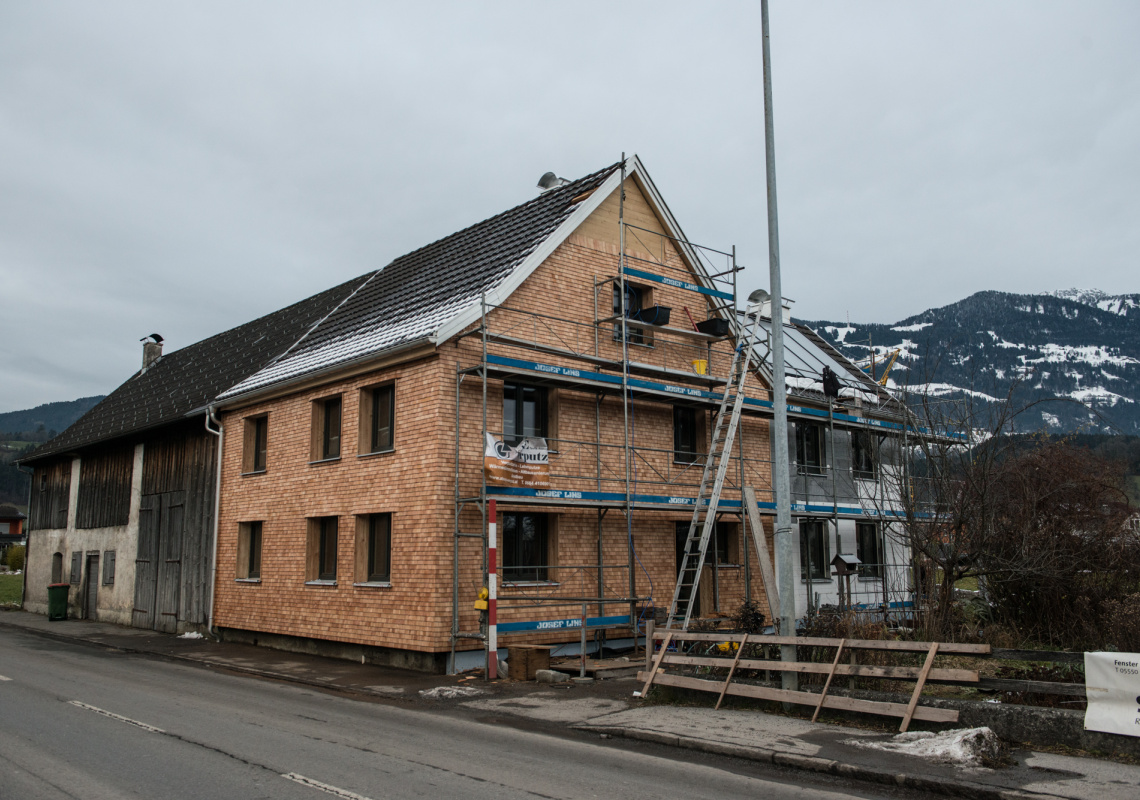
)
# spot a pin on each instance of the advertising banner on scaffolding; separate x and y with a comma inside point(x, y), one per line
point(526, 465)
point(1112, 687)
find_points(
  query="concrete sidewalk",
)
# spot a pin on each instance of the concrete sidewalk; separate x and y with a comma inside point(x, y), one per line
point(608, 708)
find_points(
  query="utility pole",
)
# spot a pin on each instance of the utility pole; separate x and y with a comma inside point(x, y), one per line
point(779, 430)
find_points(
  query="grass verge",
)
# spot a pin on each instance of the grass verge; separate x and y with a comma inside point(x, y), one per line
point(10, 588)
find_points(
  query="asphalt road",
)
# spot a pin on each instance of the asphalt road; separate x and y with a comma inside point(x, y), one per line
point(80, 722)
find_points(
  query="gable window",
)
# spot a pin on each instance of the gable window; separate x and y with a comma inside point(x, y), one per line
point(524, 547)
point(321, 552)
point(326, 429)
point(636, 298)
point(868, 547)
point(524, 412)
point(810, 454)
point(863, 455)
point(256, 444)
point(249, 551)
point(815, 550)
point(374, 548)
point(685, 435)
point(377, 419)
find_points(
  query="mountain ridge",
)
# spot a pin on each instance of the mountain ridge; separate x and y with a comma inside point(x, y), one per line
point(1074, 354)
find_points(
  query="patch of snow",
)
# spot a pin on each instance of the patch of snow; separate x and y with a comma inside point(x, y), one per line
point(1052, 420)
point(1093, 355)
point(942, 389)
point(967, 746)
point(839, 333)
point(910, 328)
point(1098, 395)
point(1000, 342)
point(191, 635)
point(450, 692)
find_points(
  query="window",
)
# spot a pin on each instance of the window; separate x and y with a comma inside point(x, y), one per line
point(320, 560)
point(685, 435)
point(255, 445)
point(524, 547)
point(863, 454)
point(374, 548)
point(868, 549)
point(814, 550)
point(809, 449)
point(725, 550)
point(326, 429)
point(524, 412)
point(57, 567)
point(636, 298)
point(377, 419)
point(108, 567)
point(249, 551)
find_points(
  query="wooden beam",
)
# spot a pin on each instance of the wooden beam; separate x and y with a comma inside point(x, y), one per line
point(851, 670)
point(767, 574)
point(656, 664)
point(918, 687)
point(945, 648)
point(925, 713)
point(827, 683)
point(732, 669)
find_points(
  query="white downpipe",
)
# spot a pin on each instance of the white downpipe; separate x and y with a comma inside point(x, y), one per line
point(217, 511)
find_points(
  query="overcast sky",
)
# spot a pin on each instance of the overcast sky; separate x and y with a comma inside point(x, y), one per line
point(183, 168)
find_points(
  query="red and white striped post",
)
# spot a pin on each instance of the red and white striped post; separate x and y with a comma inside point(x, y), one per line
point(492, 593)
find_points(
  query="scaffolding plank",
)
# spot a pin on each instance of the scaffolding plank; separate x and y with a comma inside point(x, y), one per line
point(767, 574)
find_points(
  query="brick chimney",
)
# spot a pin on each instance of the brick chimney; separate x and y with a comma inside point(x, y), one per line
point(152, 350)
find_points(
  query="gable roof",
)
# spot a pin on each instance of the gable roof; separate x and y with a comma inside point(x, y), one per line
point(419, 296)
point(187, 380)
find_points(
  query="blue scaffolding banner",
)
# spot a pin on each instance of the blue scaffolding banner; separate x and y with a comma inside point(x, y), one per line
point(571, 623)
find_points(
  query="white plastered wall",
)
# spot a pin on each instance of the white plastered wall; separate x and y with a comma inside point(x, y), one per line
point(115, 602)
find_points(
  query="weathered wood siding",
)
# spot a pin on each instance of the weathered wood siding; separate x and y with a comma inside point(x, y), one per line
point(105, 487)
point(178, 481)
point(51, 493)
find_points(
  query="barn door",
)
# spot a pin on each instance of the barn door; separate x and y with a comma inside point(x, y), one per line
point(146, 562)
point(170, 560)
point(158, 566)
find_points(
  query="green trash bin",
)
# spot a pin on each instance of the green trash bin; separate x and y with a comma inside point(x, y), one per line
point(57, 600)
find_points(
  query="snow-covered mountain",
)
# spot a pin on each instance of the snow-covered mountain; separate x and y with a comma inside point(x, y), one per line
point(1079, 349)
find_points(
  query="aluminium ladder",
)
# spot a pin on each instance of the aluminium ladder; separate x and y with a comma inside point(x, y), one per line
point(703, 521)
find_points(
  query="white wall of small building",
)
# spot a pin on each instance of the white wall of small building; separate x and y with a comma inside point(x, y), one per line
point(116, 601)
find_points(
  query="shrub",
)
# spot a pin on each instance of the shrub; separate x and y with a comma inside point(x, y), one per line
point(15, 557)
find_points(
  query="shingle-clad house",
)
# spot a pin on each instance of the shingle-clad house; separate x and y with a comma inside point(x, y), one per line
point(554, 370)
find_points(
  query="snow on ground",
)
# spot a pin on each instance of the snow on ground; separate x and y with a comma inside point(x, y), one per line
point(1052, 420)
point(1098, 395)
point(911, 328)
point(941, 389)
point(191, 635)
point(840, 334)
point(450, 692)
point(1093, 355)
point(968, 746)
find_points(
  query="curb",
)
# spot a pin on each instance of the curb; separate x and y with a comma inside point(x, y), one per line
point(906, 780)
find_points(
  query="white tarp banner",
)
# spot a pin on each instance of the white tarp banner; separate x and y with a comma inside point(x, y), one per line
point(1112, 686)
